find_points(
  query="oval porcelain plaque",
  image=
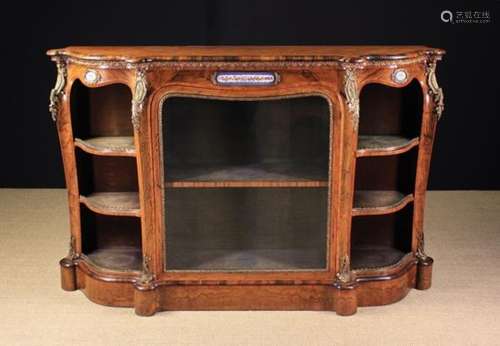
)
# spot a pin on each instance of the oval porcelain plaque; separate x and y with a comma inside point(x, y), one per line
point(246, 78)
point(92, 76)
point(400, 76)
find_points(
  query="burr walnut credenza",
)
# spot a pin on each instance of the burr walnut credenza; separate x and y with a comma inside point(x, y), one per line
point(242, 178)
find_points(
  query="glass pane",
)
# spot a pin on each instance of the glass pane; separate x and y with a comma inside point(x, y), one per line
point(239, 229)
point(246, 183)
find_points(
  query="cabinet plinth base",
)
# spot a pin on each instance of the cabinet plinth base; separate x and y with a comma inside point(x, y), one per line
point(149, 298)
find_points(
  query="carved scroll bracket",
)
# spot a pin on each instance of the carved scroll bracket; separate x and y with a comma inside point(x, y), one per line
point(344, 273)
point(435, 91)
point(421, 255)
point(147, 276)
point(58, 91)
point(140, 92)
point(351, 94)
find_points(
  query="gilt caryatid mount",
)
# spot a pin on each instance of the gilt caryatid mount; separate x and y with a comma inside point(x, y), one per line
point(246, 178)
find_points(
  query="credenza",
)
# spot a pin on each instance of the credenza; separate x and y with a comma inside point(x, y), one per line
point(246, 177)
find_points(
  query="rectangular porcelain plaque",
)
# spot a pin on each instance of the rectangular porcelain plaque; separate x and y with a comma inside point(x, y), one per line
point(246, 78)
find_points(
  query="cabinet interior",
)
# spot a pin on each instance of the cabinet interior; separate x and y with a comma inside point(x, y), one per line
point(111, 242)
point(389, 131)
point(101, 112)
point(390, 173)
point(107, 184)
point(277, 152)
point(391, 111)
point(208, 139)
point(246, 228)
point(381, 240)
point(105, 173)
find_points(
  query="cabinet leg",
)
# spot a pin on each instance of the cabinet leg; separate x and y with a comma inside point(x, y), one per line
point(68, 274)
point(345, 299)
point(145, 300)
point(424, 273)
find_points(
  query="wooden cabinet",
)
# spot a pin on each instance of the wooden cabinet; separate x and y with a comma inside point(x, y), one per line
point(224, 178)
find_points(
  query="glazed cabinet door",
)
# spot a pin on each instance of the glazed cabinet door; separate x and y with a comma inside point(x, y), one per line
point(244, 174)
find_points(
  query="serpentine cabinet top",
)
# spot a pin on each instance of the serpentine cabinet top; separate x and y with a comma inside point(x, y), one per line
point(189, 54)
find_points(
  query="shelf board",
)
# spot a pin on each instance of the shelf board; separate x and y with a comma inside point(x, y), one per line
point(120, 258)
point(276, 174)
point(108, 146)
point(373, 257)
point(379, 202)
point(247, 259)
point(384, 145)
point(243, 183)
point(113, 203)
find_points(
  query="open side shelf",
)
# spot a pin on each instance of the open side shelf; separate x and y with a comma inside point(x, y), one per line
point(390, 119)
point(111, 242)
point(107, 146)
point(379, 241)
point(394, 174)
point(374, 257)
point(97, 174)
point(117, 258)
point(113, 203)
point(379, 145)
point(379, 202)
point(101, 112)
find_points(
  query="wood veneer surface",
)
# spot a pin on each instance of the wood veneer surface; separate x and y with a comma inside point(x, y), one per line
point(264, 53)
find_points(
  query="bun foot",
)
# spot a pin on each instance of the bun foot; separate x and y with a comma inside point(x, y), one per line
point(345, 299)
point(424, 273)
point(145, 300)
point(68, 274)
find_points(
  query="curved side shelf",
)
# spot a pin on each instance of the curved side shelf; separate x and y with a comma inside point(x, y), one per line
point(384, 145)
point(116, 259)
point(108, 146)
point(113, 203)
point(369, 257)
point(367, 272)
point(367, 202)
point(95, 269)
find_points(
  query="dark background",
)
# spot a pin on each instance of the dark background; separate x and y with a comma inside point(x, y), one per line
point(466, 154)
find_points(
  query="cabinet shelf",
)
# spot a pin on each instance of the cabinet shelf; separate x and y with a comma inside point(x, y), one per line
point(119, 258)
point(245, 183)
point(372, 257)
point(379, 202)
point(250, 260)
point(113, 203)
point(384, 145)
point(276, 174)
point(107, 146)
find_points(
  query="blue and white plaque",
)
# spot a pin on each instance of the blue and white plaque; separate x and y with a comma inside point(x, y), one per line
point(246, 78)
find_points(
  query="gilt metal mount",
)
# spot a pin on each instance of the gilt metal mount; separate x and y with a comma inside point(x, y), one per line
point(58, 90)
point(435, 91)
point(140, 91)
point(351, 93)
